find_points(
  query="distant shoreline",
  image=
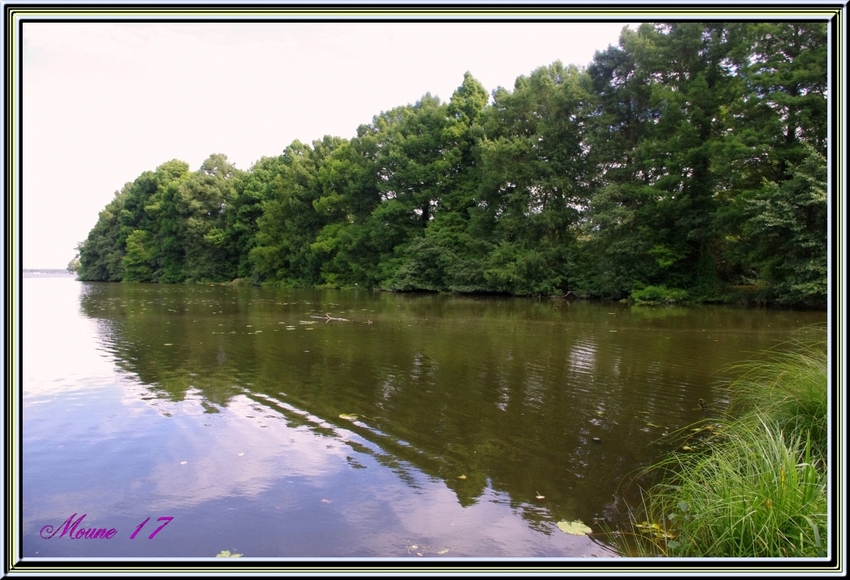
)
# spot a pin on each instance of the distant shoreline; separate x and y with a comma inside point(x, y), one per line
point(48, 272)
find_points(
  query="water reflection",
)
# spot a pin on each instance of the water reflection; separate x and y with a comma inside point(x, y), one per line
point(500, 399)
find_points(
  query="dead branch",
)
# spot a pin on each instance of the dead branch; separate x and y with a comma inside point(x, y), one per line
point(327, 318)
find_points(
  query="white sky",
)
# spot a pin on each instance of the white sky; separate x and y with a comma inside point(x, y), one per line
point(104, 102)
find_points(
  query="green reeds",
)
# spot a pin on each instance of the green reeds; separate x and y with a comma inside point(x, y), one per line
point(756, 485)
point(789, 387)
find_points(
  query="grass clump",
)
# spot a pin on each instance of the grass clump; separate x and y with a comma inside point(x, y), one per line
point(789, 387)
point(658, 295)
point(756, 485)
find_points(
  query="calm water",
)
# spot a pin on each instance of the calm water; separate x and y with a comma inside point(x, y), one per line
point(232, 411)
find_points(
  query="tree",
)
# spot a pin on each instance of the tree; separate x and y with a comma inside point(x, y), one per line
point(776, 120)
point(201, 202)
point(74, 264)
point(787, 233)
point(102, 252)
point(139, 256)
point(149, 208)
point(349, 196)
point(289, 224)
point(682, 159)
point(535, 180)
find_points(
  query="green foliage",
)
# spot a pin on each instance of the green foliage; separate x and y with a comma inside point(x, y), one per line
point(102, 253)
point(686, 161)
point(139, 258)
point(756, 487)
point(514, 269)
point(786, 232)
point(658, 295)
point(290, 221)
point(789, 386)
point(424, 267)
point(199, 236)
point(74, 265)
point(757, 495)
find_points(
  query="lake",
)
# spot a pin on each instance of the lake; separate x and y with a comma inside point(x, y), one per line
point(418, 426)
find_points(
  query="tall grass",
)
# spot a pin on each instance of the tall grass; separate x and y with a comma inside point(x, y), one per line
point(755, 486)
point(789, 387)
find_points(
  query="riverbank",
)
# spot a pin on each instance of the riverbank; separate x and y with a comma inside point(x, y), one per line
point(752, 484)
point(731, 295)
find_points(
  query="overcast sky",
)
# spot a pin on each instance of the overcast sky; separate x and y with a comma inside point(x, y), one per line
point(104, 102)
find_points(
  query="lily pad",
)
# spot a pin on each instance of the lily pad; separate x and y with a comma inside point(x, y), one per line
point(576, 528)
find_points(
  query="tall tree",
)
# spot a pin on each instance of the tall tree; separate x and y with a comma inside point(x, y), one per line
point(449, 255)
point(102, 252)
point(772, 127)
point(349, 195)
point(787, 232)
point(662, 94)
point(290, 223)
point(201, 203)
point(535, 179)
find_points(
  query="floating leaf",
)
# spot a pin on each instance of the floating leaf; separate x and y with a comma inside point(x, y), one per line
point(461, 477)
point(348, 417)
point(227, 554)
point(576, 528)
point(654, 530)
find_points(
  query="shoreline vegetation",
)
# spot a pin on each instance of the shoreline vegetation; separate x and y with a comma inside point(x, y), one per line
point(752, 483)
point(686, 164)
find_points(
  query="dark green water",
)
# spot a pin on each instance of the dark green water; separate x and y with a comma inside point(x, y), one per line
point(221, 408)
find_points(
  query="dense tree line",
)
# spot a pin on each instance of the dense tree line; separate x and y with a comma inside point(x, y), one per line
point(689, 161)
